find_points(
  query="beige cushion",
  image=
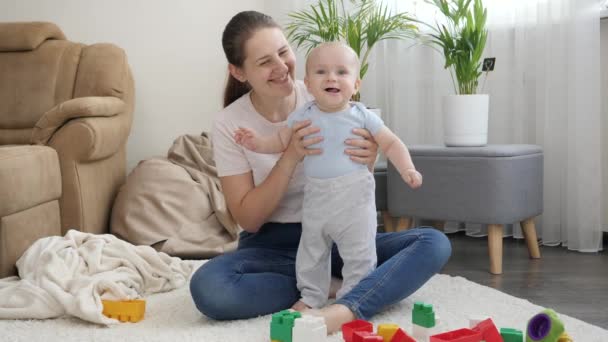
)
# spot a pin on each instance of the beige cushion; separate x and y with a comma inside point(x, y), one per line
point(29, 176)
point(27, 36)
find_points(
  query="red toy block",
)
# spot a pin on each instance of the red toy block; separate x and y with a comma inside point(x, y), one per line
point(401, 336)
point(366, 336)
point(488, 330)
point(348, 329)
point(460, 335)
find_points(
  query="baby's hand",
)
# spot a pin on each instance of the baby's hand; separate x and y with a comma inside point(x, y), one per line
point(245, 137)
point(413, 178)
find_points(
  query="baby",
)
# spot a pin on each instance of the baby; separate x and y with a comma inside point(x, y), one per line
point(339, 195)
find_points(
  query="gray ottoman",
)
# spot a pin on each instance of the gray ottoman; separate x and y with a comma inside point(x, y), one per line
point(494, 185)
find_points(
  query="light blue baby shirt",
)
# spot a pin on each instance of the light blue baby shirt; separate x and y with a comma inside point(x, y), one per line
point(335, 129)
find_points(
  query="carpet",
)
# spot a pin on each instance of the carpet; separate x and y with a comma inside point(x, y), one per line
point(173, 317)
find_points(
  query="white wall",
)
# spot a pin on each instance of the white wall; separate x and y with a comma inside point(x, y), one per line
point(604, 109)
point(174, 49)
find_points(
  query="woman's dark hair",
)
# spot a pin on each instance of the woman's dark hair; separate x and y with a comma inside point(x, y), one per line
point(238, 30)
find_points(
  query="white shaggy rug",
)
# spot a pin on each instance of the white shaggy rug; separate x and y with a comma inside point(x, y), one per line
point(173, 317)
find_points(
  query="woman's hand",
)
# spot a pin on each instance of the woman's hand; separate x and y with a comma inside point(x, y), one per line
point(363, 151)
point(299, 144)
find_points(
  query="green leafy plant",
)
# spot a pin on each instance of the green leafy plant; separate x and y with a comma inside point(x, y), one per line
point(361, 28)
point(461, 40)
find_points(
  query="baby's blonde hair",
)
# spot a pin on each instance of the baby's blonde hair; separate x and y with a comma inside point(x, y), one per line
point(323, 45)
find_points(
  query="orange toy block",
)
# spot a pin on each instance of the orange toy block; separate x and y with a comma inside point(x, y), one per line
point(125, 310)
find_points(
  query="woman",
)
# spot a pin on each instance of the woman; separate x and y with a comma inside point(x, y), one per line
point(264, 194)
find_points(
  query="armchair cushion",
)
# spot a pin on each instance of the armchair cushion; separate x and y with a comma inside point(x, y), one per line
point(29, 176)
point(81, 107)
point(27, 36)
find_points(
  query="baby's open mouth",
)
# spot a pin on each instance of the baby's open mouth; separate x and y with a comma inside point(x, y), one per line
point(332, 90)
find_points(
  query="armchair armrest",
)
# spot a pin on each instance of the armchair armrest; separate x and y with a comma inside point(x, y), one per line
point(81, 107)
point(91, 129)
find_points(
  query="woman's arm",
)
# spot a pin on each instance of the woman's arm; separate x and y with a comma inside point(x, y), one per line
point(252, 205)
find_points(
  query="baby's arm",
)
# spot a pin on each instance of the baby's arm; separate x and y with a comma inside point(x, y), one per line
point(398, 154)
point(275, 143)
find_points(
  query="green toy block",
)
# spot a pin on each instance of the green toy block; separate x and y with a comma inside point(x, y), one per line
point(511, 335)
point(423, 315)
point(281, 325)
point(544, 327)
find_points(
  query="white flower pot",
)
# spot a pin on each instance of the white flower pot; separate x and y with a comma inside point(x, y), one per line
point(465, 120)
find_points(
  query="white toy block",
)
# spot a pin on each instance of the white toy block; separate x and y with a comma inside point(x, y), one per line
point(309, 328)
point(422, 334)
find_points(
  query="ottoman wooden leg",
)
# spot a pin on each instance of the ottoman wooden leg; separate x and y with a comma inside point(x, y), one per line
point(403, 223)
point(392, 224)
point(495, 247)
point(389, 225)
point(529, 230)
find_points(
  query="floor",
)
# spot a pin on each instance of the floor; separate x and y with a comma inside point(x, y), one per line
point(570, 282)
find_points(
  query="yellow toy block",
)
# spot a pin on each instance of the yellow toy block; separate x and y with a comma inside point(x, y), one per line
point(387, 331)
point(125, 310)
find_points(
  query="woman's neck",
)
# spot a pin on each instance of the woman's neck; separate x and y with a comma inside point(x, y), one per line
point(274, 109)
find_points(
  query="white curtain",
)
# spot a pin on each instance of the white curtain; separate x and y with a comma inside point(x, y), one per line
point(544, 90)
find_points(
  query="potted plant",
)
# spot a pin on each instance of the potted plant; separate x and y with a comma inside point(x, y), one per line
point(366, 24)
point(462, 39)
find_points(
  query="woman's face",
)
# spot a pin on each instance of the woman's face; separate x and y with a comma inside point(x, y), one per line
point(269, 63)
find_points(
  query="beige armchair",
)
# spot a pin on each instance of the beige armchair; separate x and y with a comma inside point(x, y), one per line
point(73, 105)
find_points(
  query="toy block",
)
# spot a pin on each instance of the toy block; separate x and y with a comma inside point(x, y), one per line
point(460, 335)
point(349, 328)
point(281, 325)
point(544, 327)
point(309, 328)
point(366, 336)
point(124, 310)
point(387, 331)
point(423, 315)
point(474, 320)
point(511, 335)
point(564, 337)
point(422, 334)
point(488, 331)
point(401, 336)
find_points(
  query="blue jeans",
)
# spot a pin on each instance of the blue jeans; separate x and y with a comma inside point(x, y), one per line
point(259, 277)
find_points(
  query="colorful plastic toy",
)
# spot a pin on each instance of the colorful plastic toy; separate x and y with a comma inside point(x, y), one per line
point(365, 336)
point(564, 337)
point(387, 331)
point(401, 336)
point(349, 328)
point(281, 325)
point(125, 310)
point(544, 327)
point(460, 335)
point(309, 328)
point(488, 331)
point(423, 315)
point(511, 335)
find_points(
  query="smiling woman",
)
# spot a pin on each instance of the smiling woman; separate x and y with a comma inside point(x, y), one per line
point(264, 193)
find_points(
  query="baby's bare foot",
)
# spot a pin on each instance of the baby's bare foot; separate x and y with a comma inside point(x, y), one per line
point(300, 306)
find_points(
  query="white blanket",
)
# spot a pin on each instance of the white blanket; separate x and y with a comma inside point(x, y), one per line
point(71, 274)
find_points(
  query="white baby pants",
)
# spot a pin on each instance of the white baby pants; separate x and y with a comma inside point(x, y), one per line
point(340, 210)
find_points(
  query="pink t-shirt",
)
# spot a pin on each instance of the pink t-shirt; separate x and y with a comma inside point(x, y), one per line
point(232, 159)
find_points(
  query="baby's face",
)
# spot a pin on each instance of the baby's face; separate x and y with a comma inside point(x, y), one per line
point(332, 77)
